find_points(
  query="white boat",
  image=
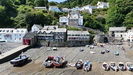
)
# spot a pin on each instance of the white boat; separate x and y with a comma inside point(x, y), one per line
point(105, 66)
point(19, 60)
point(107, 50)
point(113, 66)
point(121, 66)
point(79, 64)
point(49, 62)
point(87, 66)
point(129, 66)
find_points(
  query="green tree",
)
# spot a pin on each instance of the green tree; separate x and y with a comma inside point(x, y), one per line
point(128, 22)
point(3, 16)
point(41, 2)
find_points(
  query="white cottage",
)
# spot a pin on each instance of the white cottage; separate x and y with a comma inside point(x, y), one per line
point(75, 9)
point(64, 20)
point(54, 9)
point(43, 8)
point(36, 28)
point(87, 8)
point(102, 5)
point(73, 19)
point(129, 36)
point(12, 34)
point(65, 10)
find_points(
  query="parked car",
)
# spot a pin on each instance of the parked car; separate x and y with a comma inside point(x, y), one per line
point(54, 49)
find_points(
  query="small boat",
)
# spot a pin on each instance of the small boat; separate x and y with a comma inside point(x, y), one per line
point(87, 66)
point(102, 52)
point(79, 64)
point(91, 47)
point(59, 61)
point(49, 62)
point(19, 60)
point(105, 66)
point(129, 66)
point(116, 53)
point(121, 66)
point(81, 50)
point(113, 66)
point(107, 50)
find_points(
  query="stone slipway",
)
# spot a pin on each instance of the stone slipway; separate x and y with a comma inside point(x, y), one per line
point(12, 53)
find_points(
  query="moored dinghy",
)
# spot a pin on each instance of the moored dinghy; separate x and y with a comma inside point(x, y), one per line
point(116, 53)
point(105, 66)
point(49, 62)
point(19, 60)
point(113, 66)
point(79, 64)
point(121, 66)
point(129, 66)
point(87, 66)
point(59, 61)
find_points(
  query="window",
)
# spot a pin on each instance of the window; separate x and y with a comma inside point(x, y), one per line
point(11, 31)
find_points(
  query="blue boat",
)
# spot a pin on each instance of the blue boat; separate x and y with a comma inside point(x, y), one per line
point(116, 53)
point(19, 60)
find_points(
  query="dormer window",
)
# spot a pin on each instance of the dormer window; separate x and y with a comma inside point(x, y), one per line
point(17, 30)
point(11, 31)
point(7, 31)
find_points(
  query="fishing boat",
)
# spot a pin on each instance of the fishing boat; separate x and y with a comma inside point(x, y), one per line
point(121, 66)
point(113, 66)
point(116, 53)
point(49, 62)
point(107, 50)
point(87, 66)
point(59, 61)
point(105, 66)
point(79, 64)
point(129, 66)
point(19, 60)
point(102, 52)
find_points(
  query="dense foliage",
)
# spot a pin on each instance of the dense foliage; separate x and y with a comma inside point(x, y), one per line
point(21, 13)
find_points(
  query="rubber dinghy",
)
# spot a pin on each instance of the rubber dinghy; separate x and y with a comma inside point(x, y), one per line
point(105, 66)
point(49, 62)
point(79, 64)
point(129, 66)
point(87, 66)
point(121, 66)
point(19, 60)
point(113, 66)
point(116, 53)
point(59, 61)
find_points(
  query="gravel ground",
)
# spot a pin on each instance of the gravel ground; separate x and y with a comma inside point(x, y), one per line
point(6, 46)
point(71, 54)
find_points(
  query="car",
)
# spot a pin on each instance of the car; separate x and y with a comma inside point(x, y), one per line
point(49, 49)
point(54, 49)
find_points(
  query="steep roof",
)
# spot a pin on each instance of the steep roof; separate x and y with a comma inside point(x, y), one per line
point(38, 26)
point(117, 28)
point(29, 35)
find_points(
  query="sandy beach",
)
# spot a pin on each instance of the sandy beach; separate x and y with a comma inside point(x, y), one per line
point(71, 54)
